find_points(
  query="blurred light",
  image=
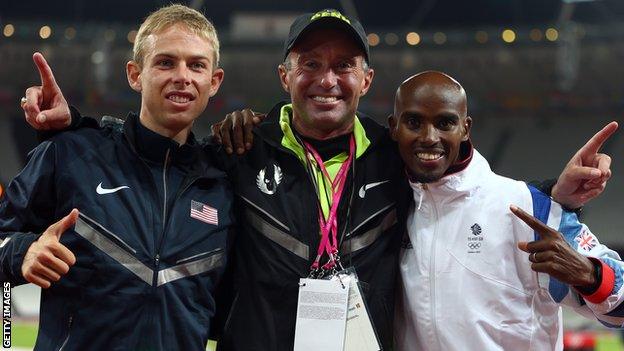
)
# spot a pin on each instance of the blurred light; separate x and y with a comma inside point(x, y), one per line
point(412, 38)
point(45, 32)
point(8, 30)
point(70, 33)
point(481, 37)
point(439, 38)
point(373, 39)
point(109, 35)
point(552, 34)
point(536, 34)
point(97, 57)
point(391, 39)
point(131, 36)
point(508, 35)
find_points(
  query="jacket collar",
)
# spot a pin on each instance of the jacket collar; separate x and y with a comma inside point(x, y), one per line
point(153, 147)
point(466, 178)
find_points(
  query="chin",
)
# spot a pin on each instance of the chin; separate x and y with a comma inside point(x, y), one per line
point(425, 177)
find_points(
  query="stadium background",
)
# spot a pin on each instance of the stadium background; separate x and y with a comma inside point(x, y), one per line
point(541, 75)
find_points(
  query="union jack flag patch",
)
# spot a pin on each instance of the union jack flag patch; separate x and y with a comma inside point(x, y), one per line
point(204, 213)
point(586, 240)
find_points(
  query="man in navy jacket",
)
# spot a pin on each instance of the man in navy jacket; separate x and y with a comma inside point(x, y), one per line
point(138, 267)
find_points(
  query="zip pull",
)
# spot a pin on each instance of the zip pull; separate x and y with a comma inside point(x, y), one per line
point(156, 260)
point(420, 198)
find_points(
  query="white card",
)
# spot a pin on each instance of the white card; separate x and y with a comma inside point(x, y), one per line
point(321, 314)
point(360, 335)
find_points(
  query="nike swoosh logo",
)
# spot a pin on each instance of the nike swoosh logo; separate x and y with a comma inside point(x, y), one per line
point(103, 191)
point(366, 187)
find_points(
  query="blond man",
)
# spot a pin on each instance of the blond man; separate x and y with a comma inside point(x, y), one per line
point(135, 263)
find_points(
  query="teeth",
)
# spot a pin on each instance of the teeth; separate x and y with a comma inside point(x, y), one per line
point(179, 99)
point(428, 157)
point(324, 98)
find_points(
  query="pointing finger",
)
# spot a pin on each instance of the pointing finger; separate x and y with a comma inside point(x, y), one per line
point(45, 72)
point(534, 223)
point(595, 143)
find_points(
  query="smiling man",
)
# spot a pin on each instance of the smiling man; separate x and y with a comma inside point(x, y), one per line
point(465, 285)
point(314, 158)
point(138, 270)
point(326, 72)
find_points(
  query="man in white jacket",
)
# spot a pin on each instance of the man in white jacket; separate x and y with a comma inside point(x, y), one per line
point(468, 281)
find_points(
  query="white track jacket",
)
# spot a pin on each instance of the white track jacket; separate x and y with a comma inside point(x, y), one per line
point(464, 283)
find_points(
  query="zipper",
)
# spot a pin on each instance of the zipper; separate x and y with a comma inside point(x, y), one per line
point(185, 185)
point(69, 324)
point(432, 264)
point(164, 220)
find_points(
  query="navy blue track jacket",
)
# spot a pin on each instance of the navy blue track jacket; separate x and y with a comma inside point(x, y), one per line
point(151, 242)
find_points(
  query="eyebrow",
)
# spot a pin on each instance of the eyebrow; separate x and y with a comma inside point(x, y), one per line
point(170, 55)
point(448, 116)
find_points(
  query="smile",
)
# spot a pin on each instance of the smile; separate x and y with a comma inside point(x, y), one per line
point(324, 99)
point(429, 156)
point(179, 99)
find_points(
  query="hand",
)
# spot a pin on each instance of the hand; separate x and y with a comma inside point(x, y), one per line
point(47, 260)
point(236, 129)
point(586, 174)
point(45, 106)
point(552, 255)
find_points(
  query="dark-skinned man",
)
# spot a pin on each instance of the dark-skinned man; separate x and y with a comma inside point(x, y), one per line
point(467, 282)
point(283, 193)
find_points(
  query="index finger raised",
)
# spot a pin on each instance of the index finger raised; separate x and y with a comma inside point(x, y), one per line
point(595, 143)
point(45, 72)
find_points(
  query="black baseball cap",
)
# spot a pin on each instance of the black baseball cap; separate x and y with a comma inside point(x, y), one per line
point(328, 18)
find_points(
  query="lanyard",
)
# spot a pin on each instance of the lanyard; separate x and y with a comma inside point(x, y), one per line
point(329, 227)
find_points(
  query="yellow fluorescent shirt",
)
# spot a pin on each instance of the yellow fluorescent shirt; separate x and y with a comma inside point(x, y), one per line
point(332, 165)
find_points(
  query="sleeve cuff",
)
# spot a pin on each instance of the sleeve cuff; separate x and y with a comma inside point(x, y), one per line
point(606, 284)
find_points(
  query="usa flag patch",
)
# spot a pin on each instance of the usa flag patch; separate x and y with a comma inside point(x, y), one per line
point(586, 240)
point(204, 213)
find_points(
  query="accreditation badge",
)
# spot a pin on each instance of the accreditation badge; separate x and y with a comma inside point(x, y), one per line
point(360, 334)
point(321, 314)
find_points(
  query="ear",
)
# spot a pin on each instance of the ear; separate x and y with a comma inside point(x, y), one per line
point(283, 75)
point(467, 126)
point(133, 72)
point(216, 80)
point(368, 79)
point(392, 122)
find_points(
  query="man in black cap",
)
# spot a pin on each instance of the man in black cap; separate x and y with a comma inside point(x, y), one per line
point(289, 180)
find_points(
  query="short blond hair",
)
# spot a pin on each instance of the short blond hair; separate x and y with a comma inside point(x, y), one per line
point(170, 15)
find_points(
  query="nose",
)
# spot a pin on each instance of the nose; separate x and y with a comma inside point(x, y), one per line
point(328, 79)
point(429, 135)
point(182, 75)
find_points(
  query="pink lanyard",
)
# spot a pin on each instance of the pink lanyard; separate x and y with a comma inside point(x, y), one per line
point(330, 226)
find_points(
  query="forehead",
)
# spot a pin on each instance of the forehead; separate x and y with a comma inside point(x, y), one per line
point(179, 40)
point(431, 99)
point(326, 40)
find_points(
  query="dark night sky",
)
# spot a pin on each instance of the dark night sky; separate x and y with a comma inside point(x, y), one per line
point(394, 13)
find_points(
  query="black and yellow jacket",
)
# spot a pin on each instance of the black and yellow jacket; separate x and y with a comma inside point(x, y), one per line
point(278, 234)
